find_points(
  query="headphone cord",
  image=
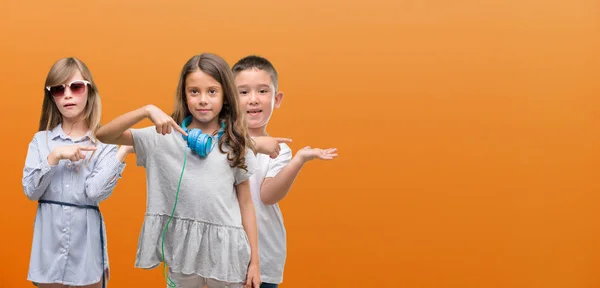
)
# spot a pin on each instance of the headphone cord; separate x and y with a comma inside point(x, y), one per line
point(170, 282)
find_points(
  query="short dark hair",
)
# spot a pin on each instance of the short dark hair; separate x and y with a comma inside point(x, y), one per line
point(257, 62)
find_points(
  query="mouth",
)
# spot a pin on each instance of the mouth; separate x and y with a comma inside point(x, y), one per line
point(69, 105)
point(254, 112)
point(203, 110)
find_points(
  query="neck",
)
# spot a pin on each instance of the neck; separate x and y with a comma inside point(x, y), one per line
point(257, 132)
point(75, 127)
point(207, 128)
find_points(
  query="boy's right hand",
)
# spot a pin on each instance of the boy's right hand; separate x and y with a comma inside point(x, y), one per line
point(269, 145)
point(162, 121)
point(72, 152)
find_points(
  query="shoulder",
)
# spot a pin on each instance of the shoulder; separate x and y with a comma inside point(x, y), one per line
point(285, 153)
point(41, 135)
point(145, 135)
point(250, 156)
point(284, 148)
point(144, 130)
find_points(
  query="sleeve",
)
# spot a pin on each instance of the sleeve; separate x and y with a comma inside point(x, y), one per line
point(144, 141)
point(275, 165)
point(241, 174)
point(107, 171)
point(37, 173)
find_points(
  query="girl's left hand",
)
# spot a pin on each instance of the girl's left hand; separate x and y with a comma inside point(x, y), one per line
point(253, 277)
point(123, 151)
point(127, 149)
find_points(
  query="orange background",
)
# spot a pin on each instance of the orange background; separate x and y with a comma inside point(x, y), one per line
point(467, 130)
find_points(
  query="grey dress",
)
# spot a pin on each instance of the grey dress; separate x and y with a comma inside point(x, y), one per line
point(205, 236)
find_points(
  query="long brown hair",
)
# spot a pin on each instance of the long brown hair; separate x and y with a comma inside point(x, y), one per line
point(236, 136)
point(60, 73)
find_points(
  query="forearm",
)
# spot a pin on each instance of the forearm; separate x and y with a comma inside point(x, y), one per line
point(104, 178)
point(112, 132)
point(249, 223)
point(276, 188)
point(36, 180)
point(123, 152)
point(100, 187)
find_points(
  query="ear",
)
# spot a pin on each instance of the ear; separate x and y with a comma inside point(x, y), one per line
point(278, 99)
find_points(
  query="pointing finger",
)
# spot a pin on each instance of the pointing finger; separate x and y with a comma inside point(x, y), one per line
point(87, 148)
point(178, 128)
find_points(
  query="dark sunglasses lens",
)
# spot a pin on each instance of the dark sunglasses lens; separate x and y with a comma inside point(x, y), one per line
point(57, 91)
point(77, 87)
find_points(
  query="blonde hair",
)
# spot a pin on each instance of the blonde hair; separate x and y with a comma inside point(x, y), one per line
point(60, 73)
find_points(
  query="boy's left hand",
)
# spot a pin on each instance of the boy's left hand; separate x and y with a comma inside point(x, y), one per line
point(253, 277)
point(307, 153)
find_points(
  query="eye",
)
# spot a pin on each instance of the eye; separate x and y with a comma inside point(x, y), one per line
point(193, 91)
point(243, 92)
point(263, 91)
point(212, 91)
point(57, 89)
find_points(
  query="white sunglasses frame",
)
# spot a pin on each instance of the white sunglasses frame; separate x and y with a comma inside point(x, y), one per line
point(69, 85)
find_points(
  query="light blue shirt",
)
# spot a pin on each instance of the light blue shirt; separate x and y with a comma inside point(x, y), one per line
point(66, 240)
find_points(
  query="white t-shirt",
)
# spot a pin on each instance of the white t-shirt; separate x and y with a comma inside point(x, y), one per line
point(271, 231)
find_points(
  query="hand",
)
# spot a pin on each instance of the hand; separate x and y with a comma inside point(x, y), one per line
point(72, 152)
point(307, 153)
point(127, 149)
point(162, 121)
point(253, 277)
point(123, 151)
point(270, 145)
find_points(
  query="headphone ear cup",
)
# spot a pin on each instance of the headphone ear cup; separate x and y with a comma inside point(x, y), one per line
point(192, 138)
point(207, 145)
point(201, 145)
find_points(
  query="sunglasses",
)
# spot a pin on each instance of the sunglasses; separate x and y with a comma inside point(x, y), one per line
point(76, 87)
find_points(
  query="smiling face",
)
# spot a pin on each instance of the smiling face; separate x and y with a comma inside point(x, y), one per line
point(257, 98)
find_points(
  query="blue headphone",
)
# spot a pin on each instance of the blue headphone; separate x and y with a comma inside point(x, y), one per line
point(200, 143)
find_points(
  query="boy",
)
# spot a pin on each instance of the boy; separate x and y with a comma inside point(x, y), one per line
point(257, 83)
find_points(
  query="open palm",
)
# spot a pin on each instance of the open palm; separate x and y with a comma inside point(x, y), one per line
point(308, 153)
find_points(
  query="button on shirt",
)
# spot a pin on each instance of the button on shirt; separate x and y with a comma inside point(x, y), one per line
point(66, 240)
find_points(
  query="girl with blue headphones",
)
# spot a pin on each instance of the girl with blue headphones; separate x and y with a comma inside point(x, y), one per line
point(200, 218)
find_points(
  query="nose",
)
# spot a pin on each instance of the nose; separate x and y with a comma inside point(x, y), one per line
point(253, 98)
point(68, 93)
point(203, 99)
